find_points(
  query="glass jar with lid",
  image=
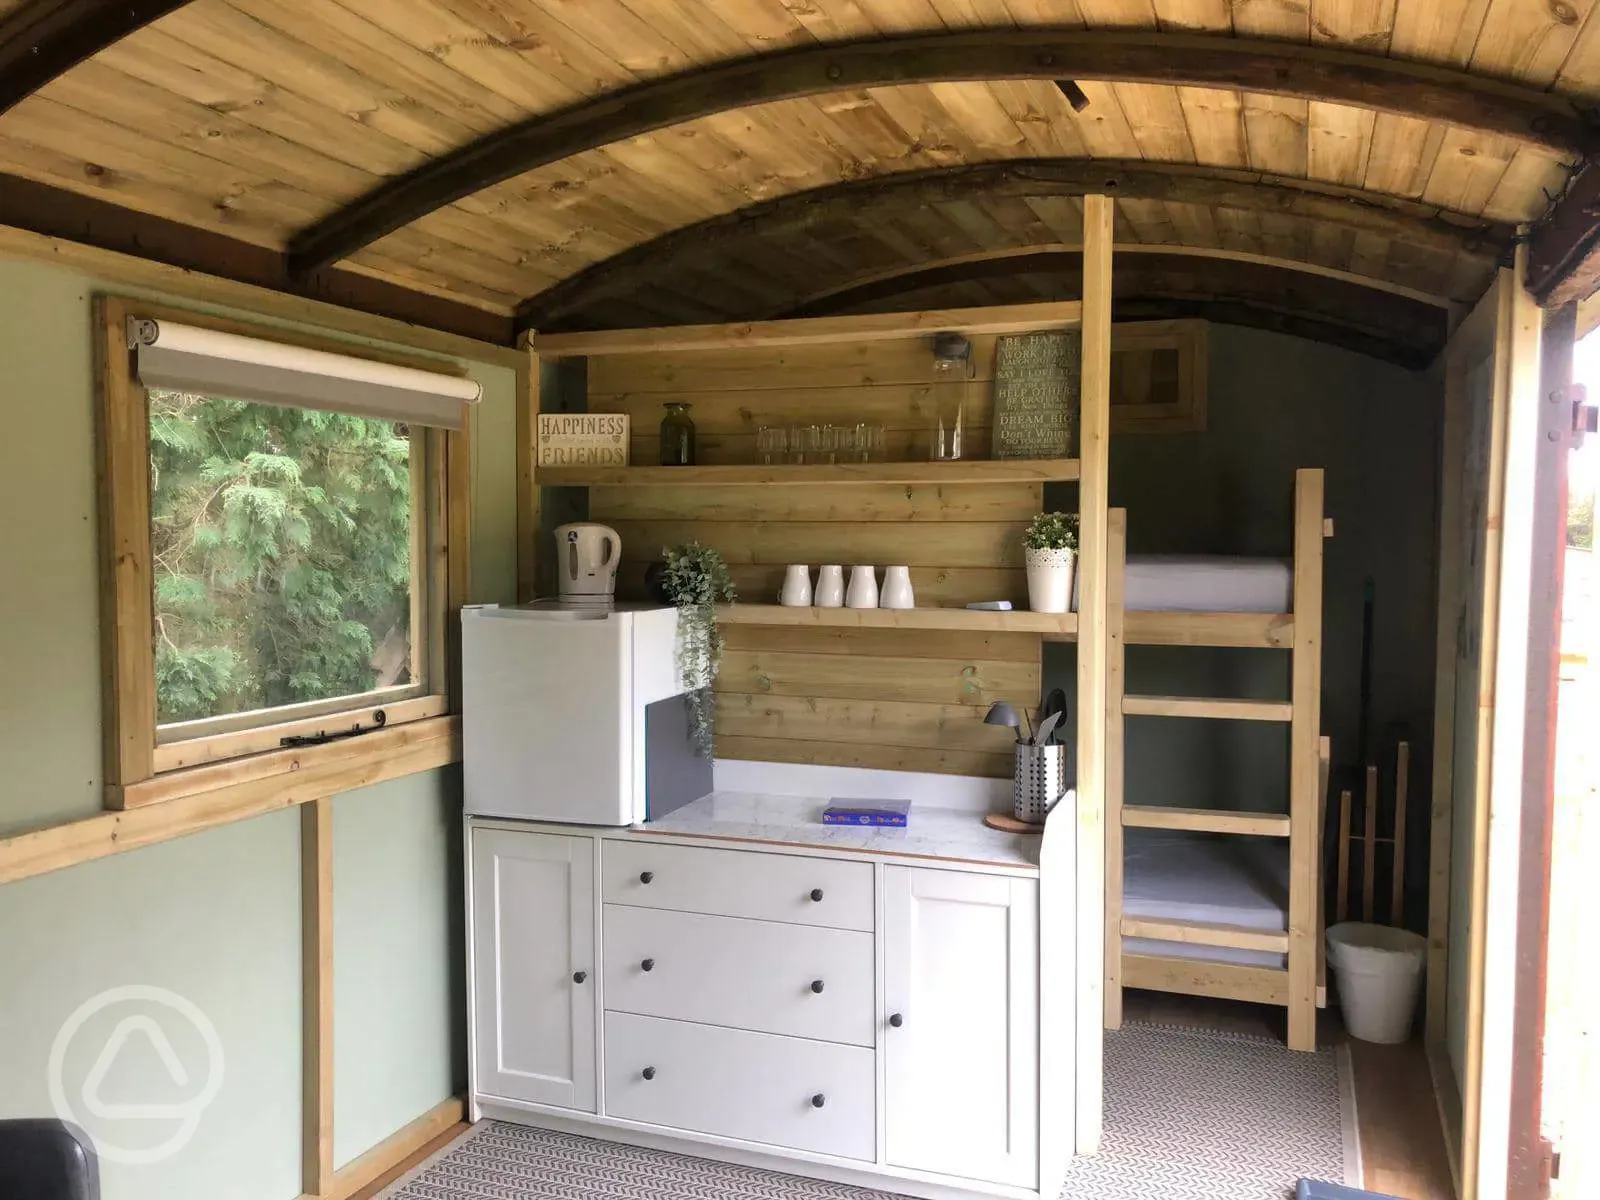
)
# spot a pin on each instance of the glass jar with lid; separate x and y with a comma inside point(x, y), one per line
point(677, 437)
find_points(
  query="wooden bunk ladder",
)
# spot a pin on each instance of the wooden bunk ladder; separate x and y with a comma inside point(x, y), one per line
point(1299, 985)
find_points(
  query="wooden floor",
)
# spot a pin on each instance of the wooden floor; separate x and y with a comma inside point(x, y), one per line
point(1402, 1149)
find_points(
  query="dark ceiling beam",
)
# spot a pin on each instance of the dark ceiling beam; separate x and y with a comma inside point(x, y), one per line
point(54, 212)
point(1564, 248)
point(1422, 225)
point(44, 38)
point(1316, 72)
point(1403, 329)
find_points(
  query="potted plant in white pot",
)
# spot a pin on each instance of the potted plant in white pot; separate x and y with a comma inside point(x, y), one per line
point(1050, 549)
point(697, 580)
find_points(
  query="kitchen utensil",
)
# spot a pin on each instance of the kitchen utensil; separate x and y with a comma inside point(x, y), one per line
point(897, 591)
point(796, 587)
point(1046, 728)
point(863, 590)
point(1002, 713)
point(1055, 702)
point(587, 556)
point(830, 587)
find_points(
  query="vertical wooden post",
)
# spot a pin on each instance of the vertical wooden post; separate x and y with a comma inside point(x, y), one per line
point(458, 583)
point(316, 996)
point(1397, 870)
point(528, 498)
point(1369, 847)
point(1324, 765)
point(1306, 694)
point(1094, 431)
point(1116, 558)
point(1341, 889)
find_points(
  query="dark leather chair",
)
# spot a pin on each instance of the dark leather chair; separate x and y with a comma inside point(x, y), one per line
point(46, 1159)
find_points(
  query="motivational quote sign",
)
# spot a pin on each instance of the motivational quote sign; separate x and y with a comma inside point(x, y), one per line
point(583, 439)
point(1036, 394)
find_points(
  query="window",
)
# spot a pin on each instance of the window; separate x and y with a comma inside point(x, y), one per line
point(283, 530)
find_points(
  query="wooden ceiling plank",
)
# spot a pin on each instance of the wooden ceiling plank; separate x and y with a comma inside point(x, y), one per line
point(981, 116)
point(1531, 183)
point(1339, 140)
point(43, 39)
point(1156, 115)
point(1403, 151)
point(1468, 169)
point(1195, 16)
point(172, 64)
point(1216, 126)
point(1043, 117)
point(1104, 126)
point(1365, 23)
point(1276, 132)
point(1160, 59)
point(1442, 31)
point(1272, 19)
point(1118, 14)
point(1530, 42)
point(245, 44)
point(419, 273)
point(836, 20)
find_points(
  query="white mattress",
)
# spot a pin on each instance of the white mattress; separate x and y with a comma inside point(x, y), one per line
point(1170, 875)
point(1206, 583)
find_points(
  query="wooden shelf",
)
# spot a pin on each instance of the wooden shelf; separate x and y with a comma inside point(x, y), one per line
point(1058, 624)
point(1206, 820)
point(963, 471)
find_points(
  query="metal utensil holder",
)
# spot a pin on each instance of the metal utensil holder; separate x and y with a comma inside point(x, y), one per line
point(1040, 780)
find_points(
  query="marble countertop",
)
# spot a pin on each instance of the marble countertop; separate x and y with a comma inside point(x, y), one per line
point(957, 834)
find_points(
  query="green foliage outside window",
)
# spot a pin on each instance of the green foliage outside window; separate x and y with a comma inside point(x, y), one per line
point(281, 541)
point(1580, 522)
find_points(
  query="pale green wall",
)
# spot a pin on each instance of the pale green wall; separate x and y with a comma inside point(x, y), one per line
point(214, 917)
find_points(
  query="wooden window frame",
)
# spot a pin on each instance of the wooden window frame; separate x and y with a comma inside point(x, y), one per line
point(1188, 337)
point(141, 765)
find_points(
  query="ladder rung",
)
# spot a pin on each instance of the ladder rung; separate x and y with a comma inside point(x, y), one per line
point(1203, 933)
point(1205, 706)
point(1205, 820)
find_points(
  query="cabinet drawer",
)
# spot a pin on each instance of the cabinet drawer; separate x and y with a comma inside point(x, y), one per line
point(790, 979)
point(738, 883)
point(733, 1083)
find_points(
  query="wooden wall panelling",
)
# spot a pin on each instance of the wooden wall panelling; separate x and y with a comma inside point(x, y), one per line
point(902, 699)
point(1093, 452)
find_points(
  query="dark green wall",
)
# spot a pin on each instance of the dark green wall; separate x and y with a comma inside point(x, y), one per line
point(1277, 403)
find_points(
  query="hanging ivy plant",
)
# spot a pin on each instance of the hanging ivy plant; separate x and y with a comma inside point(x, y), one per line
point(697, 580)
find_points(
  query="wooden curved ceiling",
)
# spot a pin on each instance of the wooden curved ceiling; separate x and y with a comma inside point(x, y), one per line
point(287, 123)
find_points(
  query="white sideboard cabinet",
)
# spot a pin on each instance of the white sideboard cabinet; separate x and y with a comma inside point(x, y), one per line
point(854, 1016)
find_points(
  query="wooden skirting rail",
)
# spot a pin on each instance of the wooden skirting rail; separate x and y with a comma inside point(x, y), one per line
point(1197, 977)
point(1204, 933)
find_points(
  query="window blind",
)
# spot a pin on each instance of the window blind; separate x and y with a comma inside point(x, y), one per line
point(185, 358)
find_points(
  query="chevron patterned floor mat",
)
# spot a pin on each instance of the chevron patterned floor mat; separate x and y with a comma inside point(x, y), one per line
point(1190, 1115)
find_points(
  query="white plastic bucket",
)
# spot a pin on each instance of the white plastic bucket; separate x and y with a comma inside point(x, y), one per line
point(1379, 971)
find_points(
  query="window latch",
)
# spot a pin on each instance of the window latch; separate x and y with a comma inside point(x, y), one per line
point(322, 737)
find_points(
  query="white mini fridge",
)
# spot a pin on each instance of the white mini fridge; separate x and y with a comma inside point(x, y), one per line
point(575, 714)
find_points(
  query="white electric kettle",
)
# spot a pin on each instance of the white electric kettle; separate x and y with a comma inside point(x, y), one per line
point(586, 562)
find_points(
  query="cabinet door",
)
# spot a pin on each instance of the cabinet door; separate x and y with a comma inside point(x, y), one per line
point(961, 1038)
point(534, 978)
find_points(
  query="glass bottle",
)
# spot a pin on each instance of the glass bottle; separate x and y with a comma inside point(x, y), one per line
point(677, 437)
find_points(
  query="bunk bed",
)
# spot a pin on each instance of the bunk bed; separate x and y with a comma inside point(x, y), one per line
point(1215, 902)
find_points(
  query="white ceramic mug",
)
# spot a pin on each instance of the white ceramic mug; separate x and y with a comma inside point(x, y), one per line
point(897, 588)
point(863, 591)
point(830, 587)
point(796, 587)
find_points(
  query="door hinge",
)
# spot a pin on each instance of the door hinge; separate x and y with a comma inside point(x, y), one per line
point(1551, 1163)
point(1585, 416)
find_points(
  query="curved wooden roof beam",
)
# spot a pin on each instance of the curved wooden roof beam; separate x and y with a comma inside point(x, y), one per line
point(1397, 328)
point(45, 38)
point(1422, 225)
point(1315, 72)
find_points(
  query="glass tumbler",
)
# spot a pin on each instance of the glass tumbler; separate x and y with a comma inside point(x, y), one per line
point(772, 443)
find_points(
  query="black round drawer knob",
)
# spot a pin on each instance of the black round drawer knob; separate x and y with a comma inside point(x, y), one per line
point(816, 895)
point(648, 964)
point(816, 986)
point(648, 1072)
point(896, 1020)
point(818, 1100)
point(579, 976)
point(646, 876)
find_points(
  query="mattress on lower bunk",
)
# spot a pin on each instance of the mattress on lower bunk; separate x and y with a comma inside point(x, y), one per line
point(1206, 583)
point(1175, 876)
